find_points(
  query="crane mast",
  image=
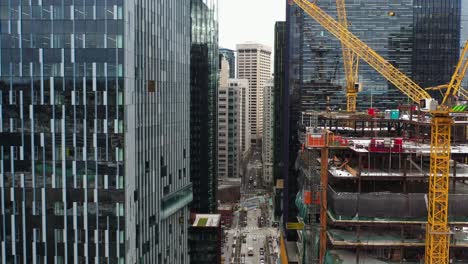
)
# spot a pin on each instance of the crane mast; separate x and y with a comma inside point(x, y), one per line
point(350, 61)
point(437, 230)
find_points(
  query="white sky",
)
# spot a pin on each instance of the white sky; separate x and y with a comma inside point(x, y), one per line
point(249, 20)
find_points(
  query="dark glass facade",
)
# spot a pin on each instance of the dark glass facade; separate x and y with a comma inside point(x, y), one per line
point(279, 126)
point(203, 104)
point(419, 37)
point(290, 144)
point(436, 41)
point(94, 134)
point(205, 242)
point(231, 58)
point(318, 67)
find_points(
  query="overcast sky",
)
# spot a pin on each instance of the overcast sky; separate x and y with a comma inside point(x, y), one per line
point(249, 20)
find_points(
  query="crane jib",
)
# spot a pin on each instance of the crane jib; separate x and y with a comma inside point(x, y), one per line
point(366, 53)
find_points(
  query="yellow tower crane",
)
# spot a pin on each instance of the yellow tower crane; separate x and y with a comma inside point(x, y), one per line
point(350, 61)
point(437, 230)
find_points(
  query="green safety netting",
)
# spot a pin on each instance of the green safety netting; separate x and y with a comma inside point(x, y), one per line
point(344, 257)
point(367, 236)
point(460, 108)
point(303, 210)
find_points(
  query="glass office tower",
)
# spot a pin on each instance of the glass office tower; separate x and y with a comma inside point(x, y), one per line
point(94, 134)
point(421, 38)
point(320, 66)
point(280, 113)
point(437, 27)
point(203, 105)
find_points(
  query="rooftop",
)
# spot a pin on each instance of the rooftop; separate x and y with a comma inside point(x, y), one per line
point(225, 207)
point(207, 220)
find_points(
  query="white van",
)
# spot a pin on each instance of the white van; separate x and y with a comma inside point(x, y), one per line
point(250, 251)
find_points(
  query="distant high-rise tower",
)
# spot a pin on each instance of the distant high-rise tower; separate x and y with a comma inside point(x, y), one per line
point(203, 117)
point(268, 132)
point(231, 57)
point(94, 137)
point(253, 64)
point(228, 125)
point(243, 124)
point(436, 41)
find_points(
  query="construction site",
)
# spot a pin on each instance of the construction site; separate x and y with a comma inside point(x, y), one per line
point(376, 184)
point(388, 185)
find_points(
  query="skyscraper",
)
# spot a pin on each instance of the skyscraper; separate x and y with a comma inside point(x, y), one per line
point(281, 113)
point(244, 124)
point(268, 127)
point(95, 136)
point(253, 64)
point(229, 153)
point(203, 117)
point(421, 38)
point(436, 44)
point(231, 57)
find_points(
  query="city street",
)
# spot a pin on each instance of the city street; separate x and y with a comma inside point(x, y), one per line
point(251, 228)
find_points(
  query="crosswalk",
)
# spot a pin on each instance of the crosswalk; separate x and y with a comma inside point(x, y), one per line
point(250, 228)
point(256, 236)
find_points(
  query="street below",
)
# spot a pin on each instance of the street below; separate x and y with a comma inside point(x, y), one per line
point(252, 239)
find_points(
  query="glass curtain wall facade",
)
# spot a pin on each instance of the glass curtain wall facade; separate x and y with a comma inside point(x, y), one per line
point(318, 59)
point(231, 57)
point(203, 104)
point(94, 131)
point(437, 27)
point(421, 38)
point(464, 32)
point(278, 111)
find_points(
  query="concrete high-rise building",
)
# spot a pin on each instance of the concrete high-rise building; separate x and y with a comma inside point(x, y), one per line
point(204, 64)
point(253, 64)
point(268, 132)
point(223, 72)
point(94, 136)
point(228, 125)
point(244, 123)
point(231, 57)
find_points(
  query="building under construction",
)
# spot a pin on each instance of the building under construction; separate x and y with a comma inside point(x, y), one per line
point(376, 185)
